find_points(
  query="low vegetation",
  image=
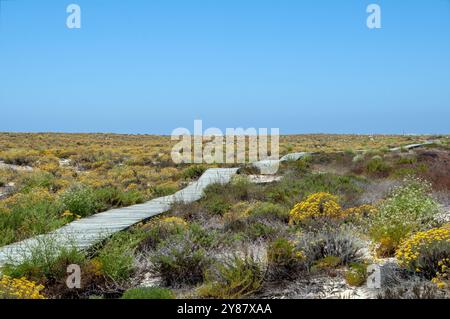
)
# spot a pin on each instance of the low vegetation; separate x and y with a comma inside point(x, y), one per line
point(326, 220)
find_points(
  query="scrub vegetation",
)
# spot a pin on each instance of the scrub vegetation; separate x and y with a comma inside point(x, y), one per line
point(327, 218)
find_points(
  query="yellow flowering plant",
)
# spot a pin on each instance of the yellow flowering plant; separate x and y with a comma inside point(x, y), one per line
point(442, 279)
point(409, 208)
point(426, 252)
point(316, 206)
point(19, 288)
point(175, 221)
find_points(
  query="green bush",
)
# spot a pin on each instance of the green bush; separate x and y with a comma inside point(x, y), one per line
point(290, 191)
point(131, 197)
point(235, 277)
point(159, 231)
point(217, 204)
point(260, 230)
point(193, 172)
point(239, 189)
point(117, 255)
point(296, 167)
point(408, 209)
point(38, 179)
point(236, 220)
point(284, 261)
point(326, 263)
point(180, 260)
point(148, 293)
point(25, 215)
point(377, 166)
point(106, 197)
point(268, 211)
point(20, 157)
point(337, 243)
point(356, 275)
point(79, 199)
point(45, 261)
point(206, 238)
point(160, 191)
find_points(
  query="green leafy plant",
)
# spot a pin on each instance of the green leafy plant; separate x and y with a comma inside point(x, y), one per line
point(79, 199)
point(235, 277)
point(193, 172)
point(268, 211)
point(180, 260)
point(284, 261)
point(116, 257)
point(45, 261)
point(148, 293)
point(408, 209)
point(356, 275)
point(334, 243)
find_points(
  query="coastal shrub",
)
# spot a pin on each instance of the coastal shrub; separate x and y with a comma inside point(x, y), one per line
point(236, 219)
point(26, 214)
point(217, 204)
point(409, 208)
point(163, 190)
point(130, 197)
point(378, 166)
point(290, 189)
point(19, 288)
point(261, 230)
point(326, 263)
point(148, 293)
point(235, 277)
point(340, 243)
point(107, 197)
point(239, 189)
point(316, 206)
point(206, 238)
point(356, 275)
point(257, 220)
point(44, 261)
point(358, 158)
point(415, 288)
point(116, 257)
point(79, 199)
point(268, 211)
point(284, 260)
point(158, 231)
point(193, 172)
point(180, 260)
point(38, 179)
point(20, 157)
point(426, 252)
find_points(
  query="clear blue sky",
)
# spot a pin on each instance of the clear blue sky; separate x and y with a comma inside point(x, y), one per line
point(299, 65)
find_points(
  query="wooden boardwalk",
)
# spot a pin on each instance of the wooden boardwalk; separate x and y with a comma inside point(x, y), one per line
point(86, 232)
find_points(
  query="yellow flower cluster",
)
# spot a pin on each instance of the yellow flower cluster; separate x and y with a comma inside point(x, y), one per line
point(410, 250)
point(70, 215)
point(442, 279)
point(360, 211)
point(176, 221)
point(12, 288)
point(300, 255)
point(34, 197)
point(316, 206)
